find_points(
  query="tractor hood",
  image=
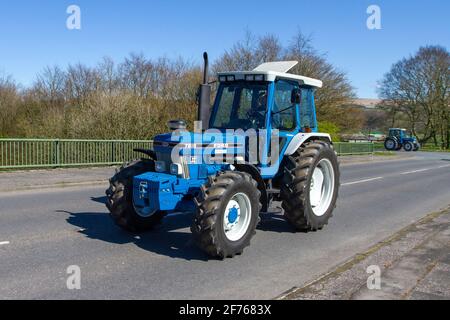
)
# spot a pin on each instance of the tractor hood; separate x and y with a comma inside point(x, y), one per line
point(199, 148)
point(218, 142)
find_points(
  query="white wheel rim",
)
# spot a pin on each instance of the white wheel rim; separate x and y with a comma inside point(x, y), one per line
point(390, 144)
point(322, 187)
point(408, 146)
point(237, 215)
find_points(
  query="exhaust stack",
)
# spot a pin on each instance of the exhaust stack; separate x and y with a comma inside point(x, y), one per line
point(204, 96)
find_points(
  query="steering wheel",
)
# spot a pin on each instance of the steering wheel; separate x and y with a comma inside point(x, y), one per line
point(257, 117)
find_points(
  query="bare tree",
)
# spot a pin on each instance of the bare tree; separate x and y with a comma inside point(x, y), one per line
point(50, 86)
point(81, 82)
point(419, 87)
point(240, 57)
point(109, 77)
point(336, 91)
point(138, 75)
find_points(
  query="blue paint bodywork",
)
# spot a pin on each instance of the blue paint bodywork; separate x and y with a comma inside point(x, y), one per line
point(156, 191)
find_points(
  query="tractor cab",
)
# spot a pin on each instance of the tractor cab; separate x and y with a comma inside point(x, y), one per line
point(266, 98)
point(399, 133)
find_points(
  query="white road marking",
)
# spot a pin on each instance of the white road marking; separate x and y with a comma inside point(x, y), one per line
point(414, 171)
point(4, 242)
point(361, 181)
point(423, 170)
point(403, 173)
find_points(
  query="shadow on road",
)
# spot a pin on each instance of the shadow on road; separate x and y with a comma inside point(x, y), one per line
point(167, 239)
point(99, 199)
point(171, 238)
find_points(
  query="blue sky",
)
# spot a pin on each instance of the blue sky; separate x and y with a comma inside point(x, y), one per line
point(34, 34)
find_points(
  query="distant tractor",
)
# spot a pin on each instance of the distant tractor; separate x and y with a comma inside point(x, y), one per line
point(400, 138)
point(296, 164)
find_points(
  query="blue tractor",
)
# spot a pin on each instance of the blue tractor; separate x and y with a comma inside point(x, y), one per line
point(400, 138)
point(213, 172)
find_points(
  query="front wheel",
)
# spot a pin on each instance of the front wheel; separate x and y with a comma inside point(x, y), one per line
point(227, 215)
point(310, 186)
point(408, 146)
point(120, 198)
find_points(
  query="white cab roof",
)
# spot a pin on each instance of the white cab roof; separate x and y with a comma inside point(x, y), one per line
point(278, 66)
point(276, 70)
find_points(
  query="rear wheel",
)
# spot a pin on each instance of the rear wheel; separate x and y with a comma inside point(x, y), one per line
point(120, 198)
point(391, 144)
point(310, 186)
point(227, 215)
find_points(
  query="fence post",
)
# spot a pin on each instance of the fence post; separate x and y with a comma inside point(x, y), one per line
point(112, 152)
point(56, 153)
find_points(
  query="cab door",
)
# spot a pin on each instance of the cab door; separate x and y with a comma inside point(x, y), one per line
point(283, 122)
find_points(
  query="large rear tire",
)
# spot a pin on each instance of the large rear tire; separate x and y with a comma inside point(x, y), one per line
point(227, 215)
point(310, 186)
point(120, 198)
point(391, 144)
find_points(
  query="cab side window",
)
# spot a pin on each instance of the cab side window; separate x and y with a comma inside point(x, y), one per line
point(284, 115)
point(307, 110)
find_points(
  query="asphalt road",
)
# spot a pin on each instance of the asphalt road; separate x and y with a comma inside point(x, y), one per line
point(42, 233)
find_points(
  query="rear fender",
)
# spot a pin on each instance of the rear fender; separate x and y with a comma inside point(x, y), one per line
point(302, 138)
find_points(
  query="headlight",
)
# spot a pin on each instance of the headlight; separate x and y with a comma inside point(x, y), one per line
point(176, 169)
point(160, 166)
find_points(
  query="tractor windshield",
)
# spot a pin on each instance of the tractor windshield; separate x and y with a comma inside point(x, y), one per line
point(240, 105)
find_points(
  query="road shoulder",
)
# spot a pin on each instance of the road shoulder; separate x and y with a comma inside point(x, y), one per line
point(414, 264)
point(54, 178)
point(362, 159)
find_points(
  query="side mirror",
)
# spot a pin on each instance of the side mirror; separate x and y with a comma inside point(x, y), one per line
point(296, 96)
